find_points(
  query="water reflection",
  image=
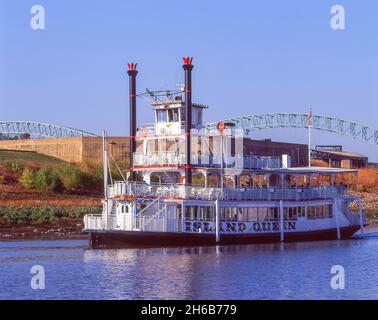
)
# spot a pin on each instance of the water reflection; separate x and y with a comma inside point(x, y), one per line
point(265, 271)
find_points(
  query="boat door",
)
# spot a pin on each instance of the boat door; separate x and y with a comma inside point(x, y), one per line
point(172, 218)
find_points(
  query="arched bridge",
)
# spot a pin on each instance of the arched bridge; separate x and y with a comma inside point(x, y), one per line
point(299, 120)
point(37, 129)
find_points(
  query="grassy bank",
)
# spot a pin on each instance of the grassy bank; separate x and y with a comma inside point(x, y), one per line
point(43, 215)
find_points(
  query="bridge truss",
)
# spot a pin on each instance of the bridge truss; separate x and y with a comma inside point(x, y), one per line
point(37, 129)
point(299, 120)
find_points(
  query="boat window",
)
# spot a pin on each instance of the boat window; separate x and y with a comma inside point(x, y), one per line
point(199, 116)
point(301, 212)
point(252, 214)
point(274, 214)
point(242, 214)
point(319, 211)
point(311, 212)
point(161, 115)
point(231, 214)
point(263, 214)
point(286, 213)
point(328, 211)
point(206, 213)
point(324, 211)
point(210, 213)
point(173, 115)
point(293, 213)
point(191, 213)
point(223, 214)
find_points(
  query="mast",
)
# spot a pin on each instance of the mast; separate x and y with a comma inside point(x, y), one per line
point(188, 67)
point(105, 150)
point(132, 72)
point(309, 119)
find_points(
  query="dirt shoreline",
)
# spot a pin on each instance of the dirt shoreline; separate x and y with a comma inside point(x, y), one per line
point(64, 230)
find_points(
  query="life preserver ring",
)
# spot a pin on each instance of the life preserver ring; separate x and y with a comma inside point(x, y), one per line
point(221, 126)
point(143, 131)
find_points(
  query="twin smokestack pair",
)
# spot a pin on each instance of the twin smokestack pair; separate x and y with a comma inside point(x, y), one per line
point(132, 72)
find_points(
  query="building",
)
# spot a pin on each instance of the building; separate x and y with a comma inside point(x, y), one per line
point(298, 153)
point(73, 150)
point(335, 157)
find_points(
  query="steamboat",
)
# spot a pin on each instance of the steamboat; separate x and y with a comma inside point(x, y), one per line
point(189, 184)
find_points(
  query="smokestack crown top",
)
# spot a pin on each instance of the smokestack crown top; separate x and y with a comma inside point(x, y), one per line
point(132, 69)
point(132, 66)
point(187, 60)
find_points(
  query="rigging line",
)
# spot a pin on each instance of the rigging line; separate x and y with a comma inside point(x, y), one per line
point(110, 173)
point(119, 169)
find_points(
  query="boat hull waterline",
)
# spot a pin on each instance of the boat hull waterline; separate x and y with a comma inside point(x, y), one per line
point(124, 239)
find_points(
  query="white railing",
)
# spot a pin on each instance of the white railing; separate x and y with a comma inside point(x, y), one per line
point(352, 215)
point(93, 222)
point(295, 194)
point(158, 224)
point(209, 160)
point(211, 193)
point(158, 158)
point(96, 222)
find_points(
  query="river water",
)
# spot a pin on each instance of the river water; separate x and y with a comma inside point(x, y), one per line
point(264, 271)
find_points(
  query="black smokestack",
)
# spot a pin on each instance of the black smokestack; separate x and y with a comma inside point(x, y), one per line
point(188, 67)
point(132, 72)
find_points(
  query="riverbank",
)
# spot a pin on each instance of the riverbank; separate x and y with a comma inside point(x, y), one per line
point(67, 230)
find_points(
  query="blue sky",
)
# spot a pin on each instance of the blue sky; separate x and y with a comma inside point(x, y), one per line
point(249, 56)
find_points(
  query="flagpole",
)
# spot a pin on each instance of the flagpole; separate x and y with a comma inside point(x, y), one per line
point(309, 120)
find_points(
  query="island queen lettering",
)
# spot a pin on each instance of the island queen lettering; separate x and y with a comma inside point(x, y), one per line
point(236, 227)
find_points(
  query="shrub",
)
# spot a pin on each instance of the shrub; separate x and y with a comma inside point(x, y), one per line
point(368, 178)
point(41, 215)
point(15, 166)
point(47, 179)
point(27, 178)
point(71, 177)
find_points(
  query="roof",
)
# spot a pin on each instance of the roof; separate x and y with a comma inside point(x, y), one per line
point(317, 170)
point(342, 153)
point(175, 104)
point(293, 170)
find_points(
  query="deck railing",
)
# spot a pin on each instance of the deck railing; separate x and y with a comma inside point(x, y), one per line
point(158, 223)
point(352, 215)
point(140, 189)
point(208, 160)
point(93, 222)
point(97, 222)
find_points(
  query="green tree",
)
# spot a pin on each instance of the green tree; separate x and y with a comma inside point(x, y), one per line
point(71, 177)
point(47, 179)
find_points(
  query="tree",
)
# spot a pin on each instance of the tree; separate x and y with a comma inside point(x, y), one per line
point(27, 178)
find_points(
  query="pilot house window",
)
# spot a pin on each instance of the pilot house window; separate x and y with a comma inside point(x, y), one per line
point(161, 115)
point(173, 115)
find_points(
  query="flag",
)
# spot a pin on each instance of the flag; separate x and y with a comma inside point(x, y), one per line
point(309, 116)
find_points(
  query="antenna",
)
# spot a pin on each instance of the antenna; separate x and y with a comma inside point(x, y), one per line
point(152, 95)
